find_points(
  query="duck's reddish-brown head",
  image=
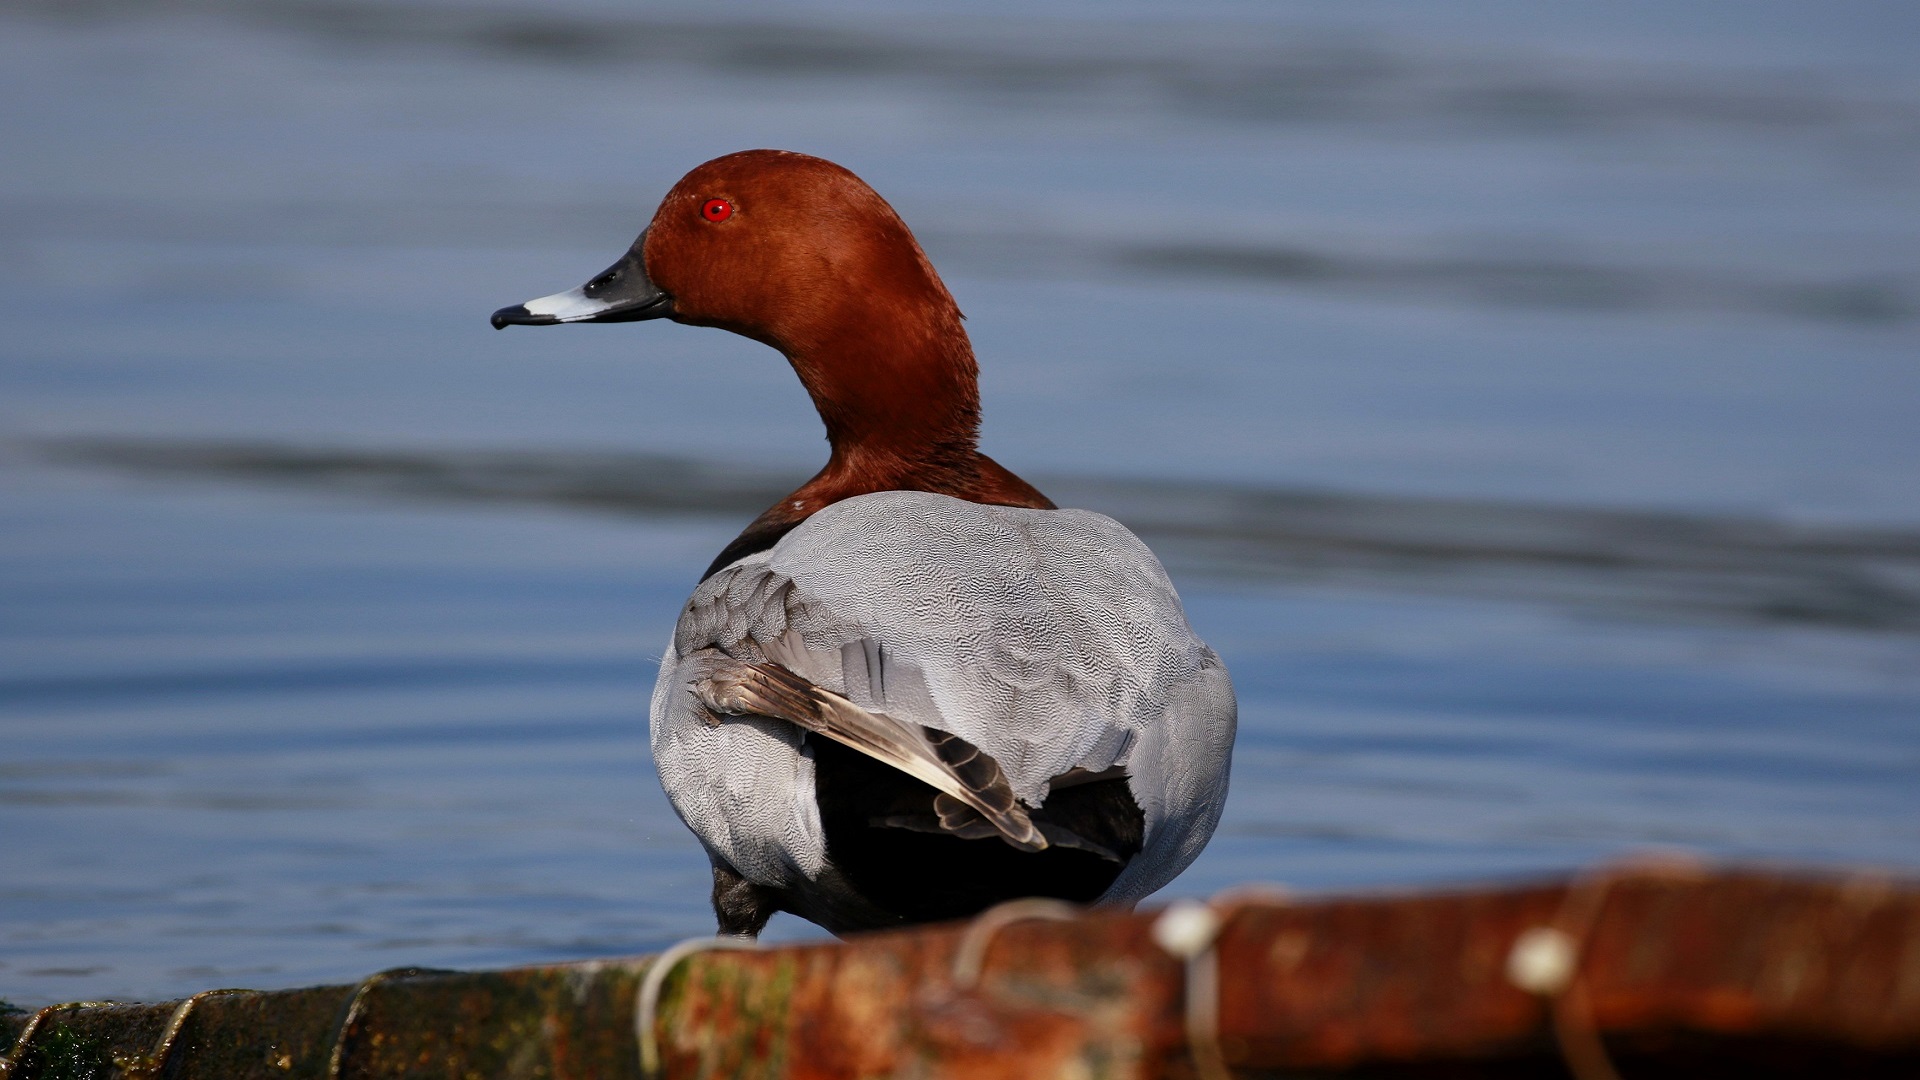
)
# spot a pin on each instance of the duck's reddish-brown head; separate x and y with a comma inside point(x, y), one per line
point(801, 254)
point(791, 250)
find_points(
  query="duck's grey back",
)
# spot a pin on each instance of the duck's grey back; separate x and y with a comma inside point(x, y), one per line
point(1051, 639)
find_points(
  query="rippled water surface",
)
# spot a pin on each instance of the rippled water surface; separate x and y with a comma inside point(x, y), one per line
point(1523, 400)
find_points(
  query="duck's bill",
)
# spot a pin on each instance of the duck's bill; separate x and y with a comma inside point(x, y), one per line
point(623, 293)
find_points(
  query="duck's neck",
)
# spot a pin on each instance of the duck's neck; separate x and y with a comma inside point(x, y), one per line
point(901, 404)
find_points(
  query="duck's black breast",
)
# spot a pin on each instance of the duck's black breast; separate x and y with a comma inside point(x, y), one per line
point(758, 537)
point(916, 877)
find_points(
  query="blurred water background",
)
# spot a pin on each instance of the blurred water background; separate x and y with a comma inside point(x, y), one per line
point(1523, 396)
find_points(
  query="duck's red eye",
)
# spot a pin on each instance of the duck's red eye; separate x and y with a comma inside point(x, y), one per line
point(717, 210)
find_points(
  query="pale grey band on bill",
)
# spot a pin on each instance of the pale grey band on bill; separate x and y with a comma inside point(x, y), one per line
point(621, 293)
point(574, 305)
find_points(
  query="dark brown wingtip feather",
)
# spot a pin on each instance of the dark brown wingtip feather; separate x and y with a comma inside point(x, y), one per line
point(983, 776)
point(772, 689)
point(979, 771)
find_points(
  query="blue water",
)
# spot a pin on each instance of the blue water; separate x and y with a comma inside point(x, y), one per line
point(1466, 267)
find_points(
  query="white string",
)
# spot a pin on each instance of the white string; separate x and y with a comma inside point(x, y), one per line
point(1546, 960)
point(1188, 930)
point(647, 1005)
point(970, 956)
point(356, 1005)
point(154, 1065)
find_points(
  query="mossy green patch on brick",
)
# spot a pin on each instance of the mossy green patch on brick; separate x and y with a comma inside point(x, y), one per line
point(61, 1053)
point(743, 1033)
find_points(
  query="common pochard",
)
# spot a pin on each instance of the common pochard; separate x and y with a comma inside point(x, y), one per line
point(912, 688)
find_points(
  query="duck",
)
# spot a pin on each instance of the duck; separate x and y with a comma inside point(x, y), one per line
point(913, 688)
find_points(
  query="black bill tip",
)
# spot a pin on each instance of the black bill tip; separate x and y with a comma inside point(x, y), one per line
point(518, 315)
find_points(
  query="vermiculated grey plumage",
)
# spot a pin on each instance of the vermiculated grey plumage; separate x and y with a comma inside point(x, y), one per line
point(1050, 640)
